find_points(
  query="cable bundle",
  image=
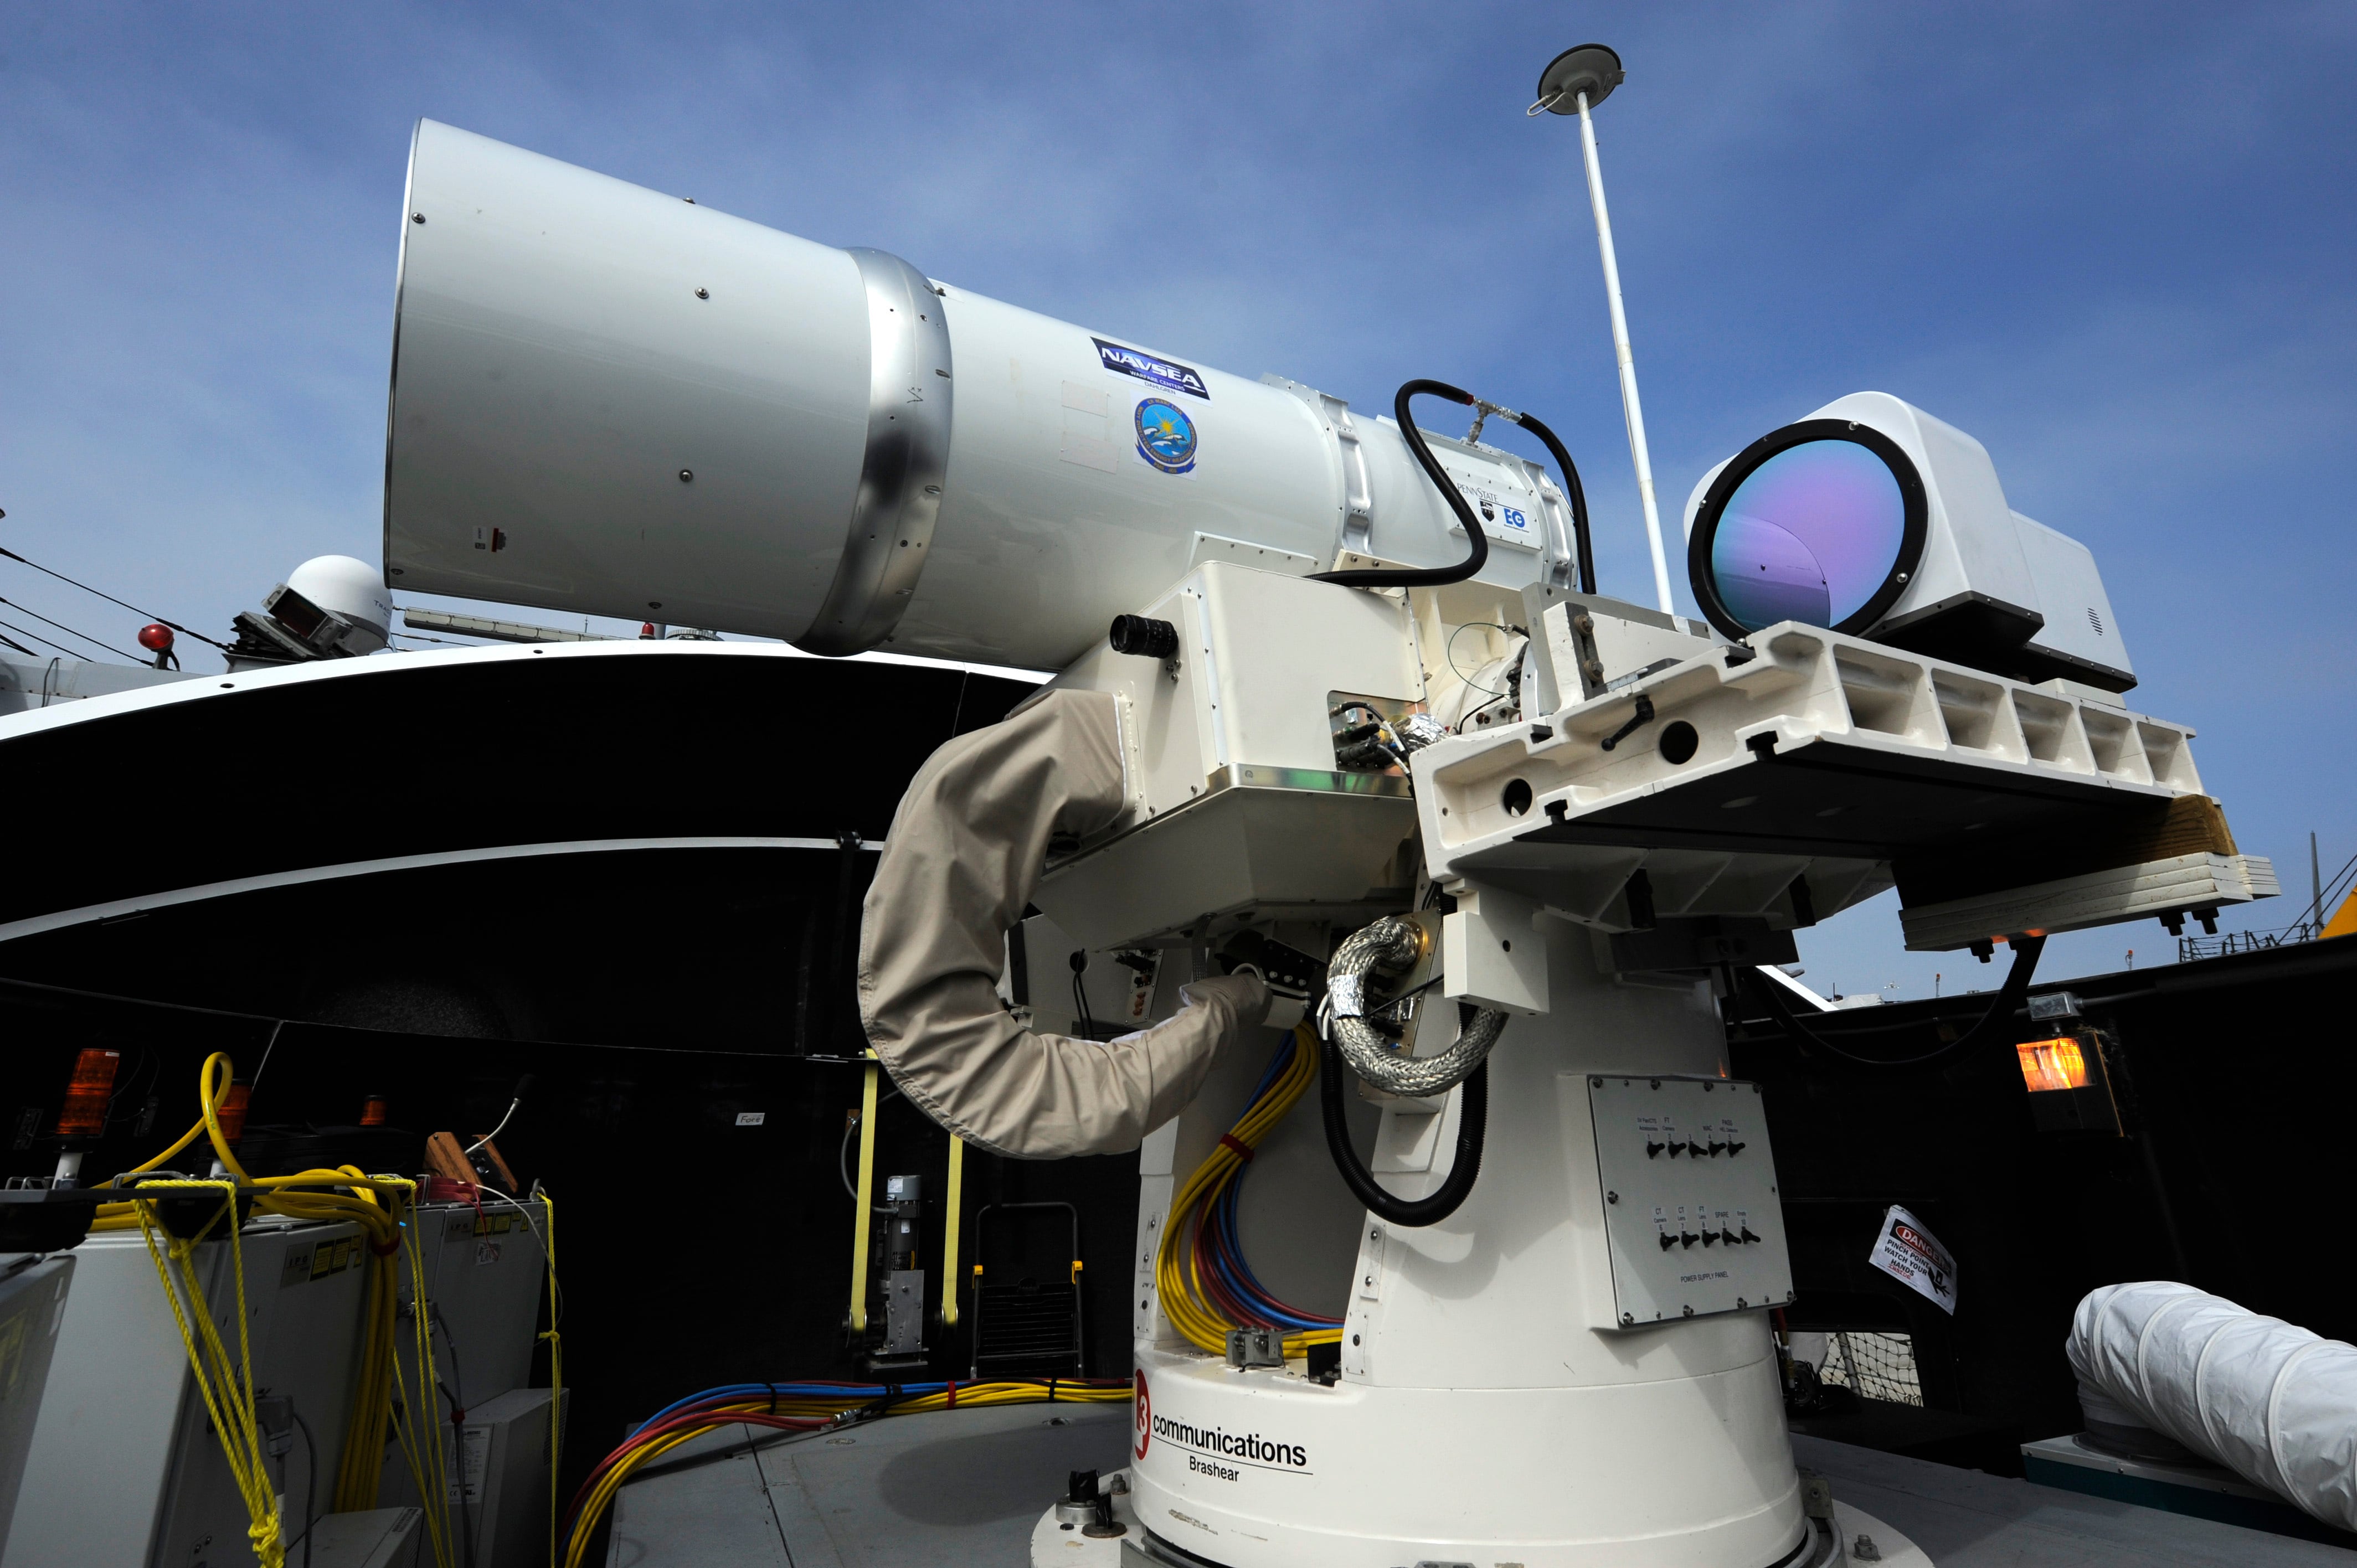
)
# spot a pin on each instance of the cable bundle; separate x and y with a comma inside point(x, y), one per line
point(1207, 1286)
point(810, 1406)
point(381, 1206)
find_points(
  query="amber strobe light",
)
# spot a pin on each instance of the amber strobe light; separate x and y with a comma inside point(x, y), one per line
point(373, 1110)
point(2059, 1063)
point(87, 1093)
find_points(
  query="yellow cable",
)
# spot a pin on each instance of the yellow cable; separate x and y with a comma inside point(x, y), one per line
point(1176, 1277)
point(363, 1461)
point(556, 1366)
point(950, 1222)
point(119, 1216)
point(594, 1507)
point(208, 1100)
point(866, 1199)
point(429, 1442)
point(385, 1205)
point(405, 1434)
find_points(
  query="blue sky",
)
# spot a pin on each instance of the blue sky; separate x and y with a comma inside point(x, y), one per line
point(2112, 240)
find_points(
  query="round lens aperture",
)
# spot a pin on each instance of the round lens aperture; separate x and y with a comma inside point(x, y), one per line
point(1814, 532)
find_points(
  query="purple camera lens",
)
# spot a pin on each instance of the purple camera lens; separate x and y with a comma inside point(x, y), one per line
point(1809, 535)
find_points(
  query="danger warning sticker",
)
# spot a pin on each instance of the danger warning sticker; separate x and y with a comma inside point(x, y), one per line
point(1912, 1255)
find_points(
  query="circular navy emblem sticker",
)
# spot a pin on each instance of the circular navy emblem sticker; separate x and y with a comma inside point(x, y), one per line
point(1166, 435)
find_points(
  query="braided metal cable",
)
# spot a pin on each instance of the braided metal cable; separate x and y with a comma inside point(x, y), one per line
point(1393, 943)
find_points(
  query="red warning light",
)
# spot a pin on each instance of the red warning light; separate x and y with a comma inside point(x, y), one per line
point(231, 1111)
point(83, 1114)
point(155, 636)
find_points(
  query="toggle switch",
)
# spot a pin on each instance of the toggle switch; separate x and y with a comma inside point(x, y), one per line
point(1654, 1150)
point(1718, 1148)
point(1688, 1237)
point(1733, 1149)
point(1668, 1241)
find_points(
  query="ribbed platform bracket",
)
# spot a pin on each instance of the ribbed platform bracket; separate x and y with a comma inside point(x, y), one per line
point(1790, 776)
point(2151, 888)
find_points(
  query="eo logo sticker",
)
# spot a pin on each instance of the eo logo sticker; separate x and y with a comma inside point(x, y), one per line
point(1166, 435)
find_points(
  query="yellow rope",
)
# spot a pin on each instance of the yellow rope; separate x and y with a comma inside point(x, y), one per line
point(1184, 1300)
point(421, 1446)
point(227, 1390)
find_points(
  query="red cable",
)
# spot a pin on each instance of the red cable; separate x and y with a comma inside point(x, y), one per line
point(714, 1418)
point(706, 1418)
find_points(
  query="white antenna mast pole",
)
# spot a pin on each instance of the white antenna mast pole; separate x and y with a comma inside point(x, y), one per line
point(1581, 77)
point(1628, 401)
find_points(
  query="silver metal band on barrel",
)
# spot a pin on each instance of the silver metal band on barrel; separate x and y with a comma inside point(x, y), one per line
point(907, 462)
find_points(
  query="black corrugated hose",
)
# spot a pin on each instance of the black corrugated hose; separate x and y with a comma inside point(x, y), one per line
point(1472, 1123)
point(1477, 553)
point(1993, 1025)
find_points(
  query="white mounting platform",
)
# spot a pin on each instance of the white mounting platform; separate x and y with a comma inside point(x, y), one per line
point(2201, 881)
point(965, 1487)
point(1846, 765)
point(1058, 1544)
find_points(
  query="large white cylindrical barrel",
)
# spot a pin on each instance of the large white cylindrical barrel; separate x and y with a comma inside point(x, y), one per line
point(614, 402)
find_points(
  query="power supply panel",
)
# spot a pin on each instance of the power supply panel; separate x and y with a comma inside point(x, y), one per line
point(1690, 1202)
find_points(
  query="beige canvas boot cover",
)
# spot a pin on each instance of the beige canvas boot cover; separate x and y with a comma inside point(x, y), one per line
point(966, 854)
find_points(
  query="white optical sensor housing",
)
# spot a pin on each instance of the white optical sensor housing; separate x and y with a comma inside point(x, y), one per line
point(1873, 517)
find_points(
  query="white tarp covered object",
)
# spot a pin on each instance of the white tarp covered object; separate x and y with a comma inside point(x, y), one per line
point(2274, 1404)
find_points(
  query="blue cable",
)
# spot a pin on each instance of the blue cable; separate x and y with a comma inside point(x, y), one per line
point(1241, 1281)
point(787, 1391)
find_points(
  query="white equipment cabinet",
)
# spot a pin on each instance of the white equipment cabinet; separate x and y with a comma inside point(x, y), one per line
point(32, 1309)
point(378, 1538)
point(505, 1477)
point(126, 1468)
point(485, 1275)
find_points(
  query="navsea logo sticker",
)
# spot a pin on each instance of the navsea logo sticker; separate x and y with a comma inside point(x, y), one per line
point(1169, 374)
point(1165, 436)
